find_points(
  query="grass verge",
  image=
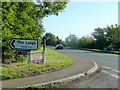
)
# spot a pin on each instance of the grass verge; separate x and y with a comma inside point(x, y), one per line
point(98, 50)
point(54, 61)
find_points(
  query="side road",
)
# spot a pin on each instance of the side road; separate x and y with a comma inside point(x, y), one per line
point(81, 65)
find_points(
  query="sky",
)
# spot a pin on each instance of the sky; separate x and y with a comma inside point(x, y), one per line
point(81, 18)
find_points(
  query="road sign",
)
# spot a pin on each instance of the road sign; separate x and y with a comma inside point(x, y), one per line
point(22, 52)
point(27, 44)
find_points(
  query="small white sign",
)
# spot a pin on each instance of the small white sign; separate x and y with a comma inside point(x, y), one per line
point(24, 44)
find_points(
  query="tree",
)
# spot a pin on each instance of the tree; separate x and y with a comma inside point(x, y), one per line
point(113, 35)
point(50, 39)
point(58, 41)
point(106, 37)
point(85, 42)
point(72, 40)
point(24, 20)
point(100, 37)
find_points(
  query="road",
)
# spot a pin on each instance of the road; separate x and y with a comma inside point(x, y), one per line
point(107, 78)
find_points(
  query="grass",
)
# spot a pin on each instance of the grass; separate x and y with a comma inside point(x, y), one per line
point(54, 60)
point(98, 50)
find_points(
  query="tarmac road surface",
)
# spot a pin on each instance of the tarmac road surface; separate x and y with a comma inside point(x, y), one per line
point(109, 75)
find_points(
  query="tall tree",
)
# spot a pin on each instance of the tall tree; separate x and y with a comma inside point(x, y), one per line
point(51, 39)
point(113, 35)
point(72, 40)
point(100, 37)
point(58, 41)
point(24, 20)
point(107, 36)
point(85, 42)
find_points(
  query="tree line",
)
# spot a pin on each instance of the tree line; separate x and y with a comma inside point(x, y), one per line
point(102, 38)
point(24, 20)
point(52, 40)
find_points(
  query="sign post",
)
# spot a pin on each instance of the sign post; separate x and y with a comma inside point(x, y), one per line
point(44, 48)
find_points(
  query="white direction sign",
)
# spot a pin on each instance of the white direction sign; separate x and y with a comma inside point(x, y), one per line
point(24, 44)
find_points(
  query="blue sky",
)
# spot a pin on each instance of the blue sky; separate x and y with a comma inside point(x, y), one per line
point(81, 18)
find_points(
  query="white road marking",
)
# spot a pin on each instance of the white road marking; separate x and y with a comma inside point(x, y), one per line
point(113, 75)
point(116, 71)
point(106, 67)
point(111, 69)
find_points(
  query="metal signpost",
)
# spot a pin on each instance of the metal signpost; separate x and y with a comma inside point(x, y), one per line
point(24, 46)
point(44, 47)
